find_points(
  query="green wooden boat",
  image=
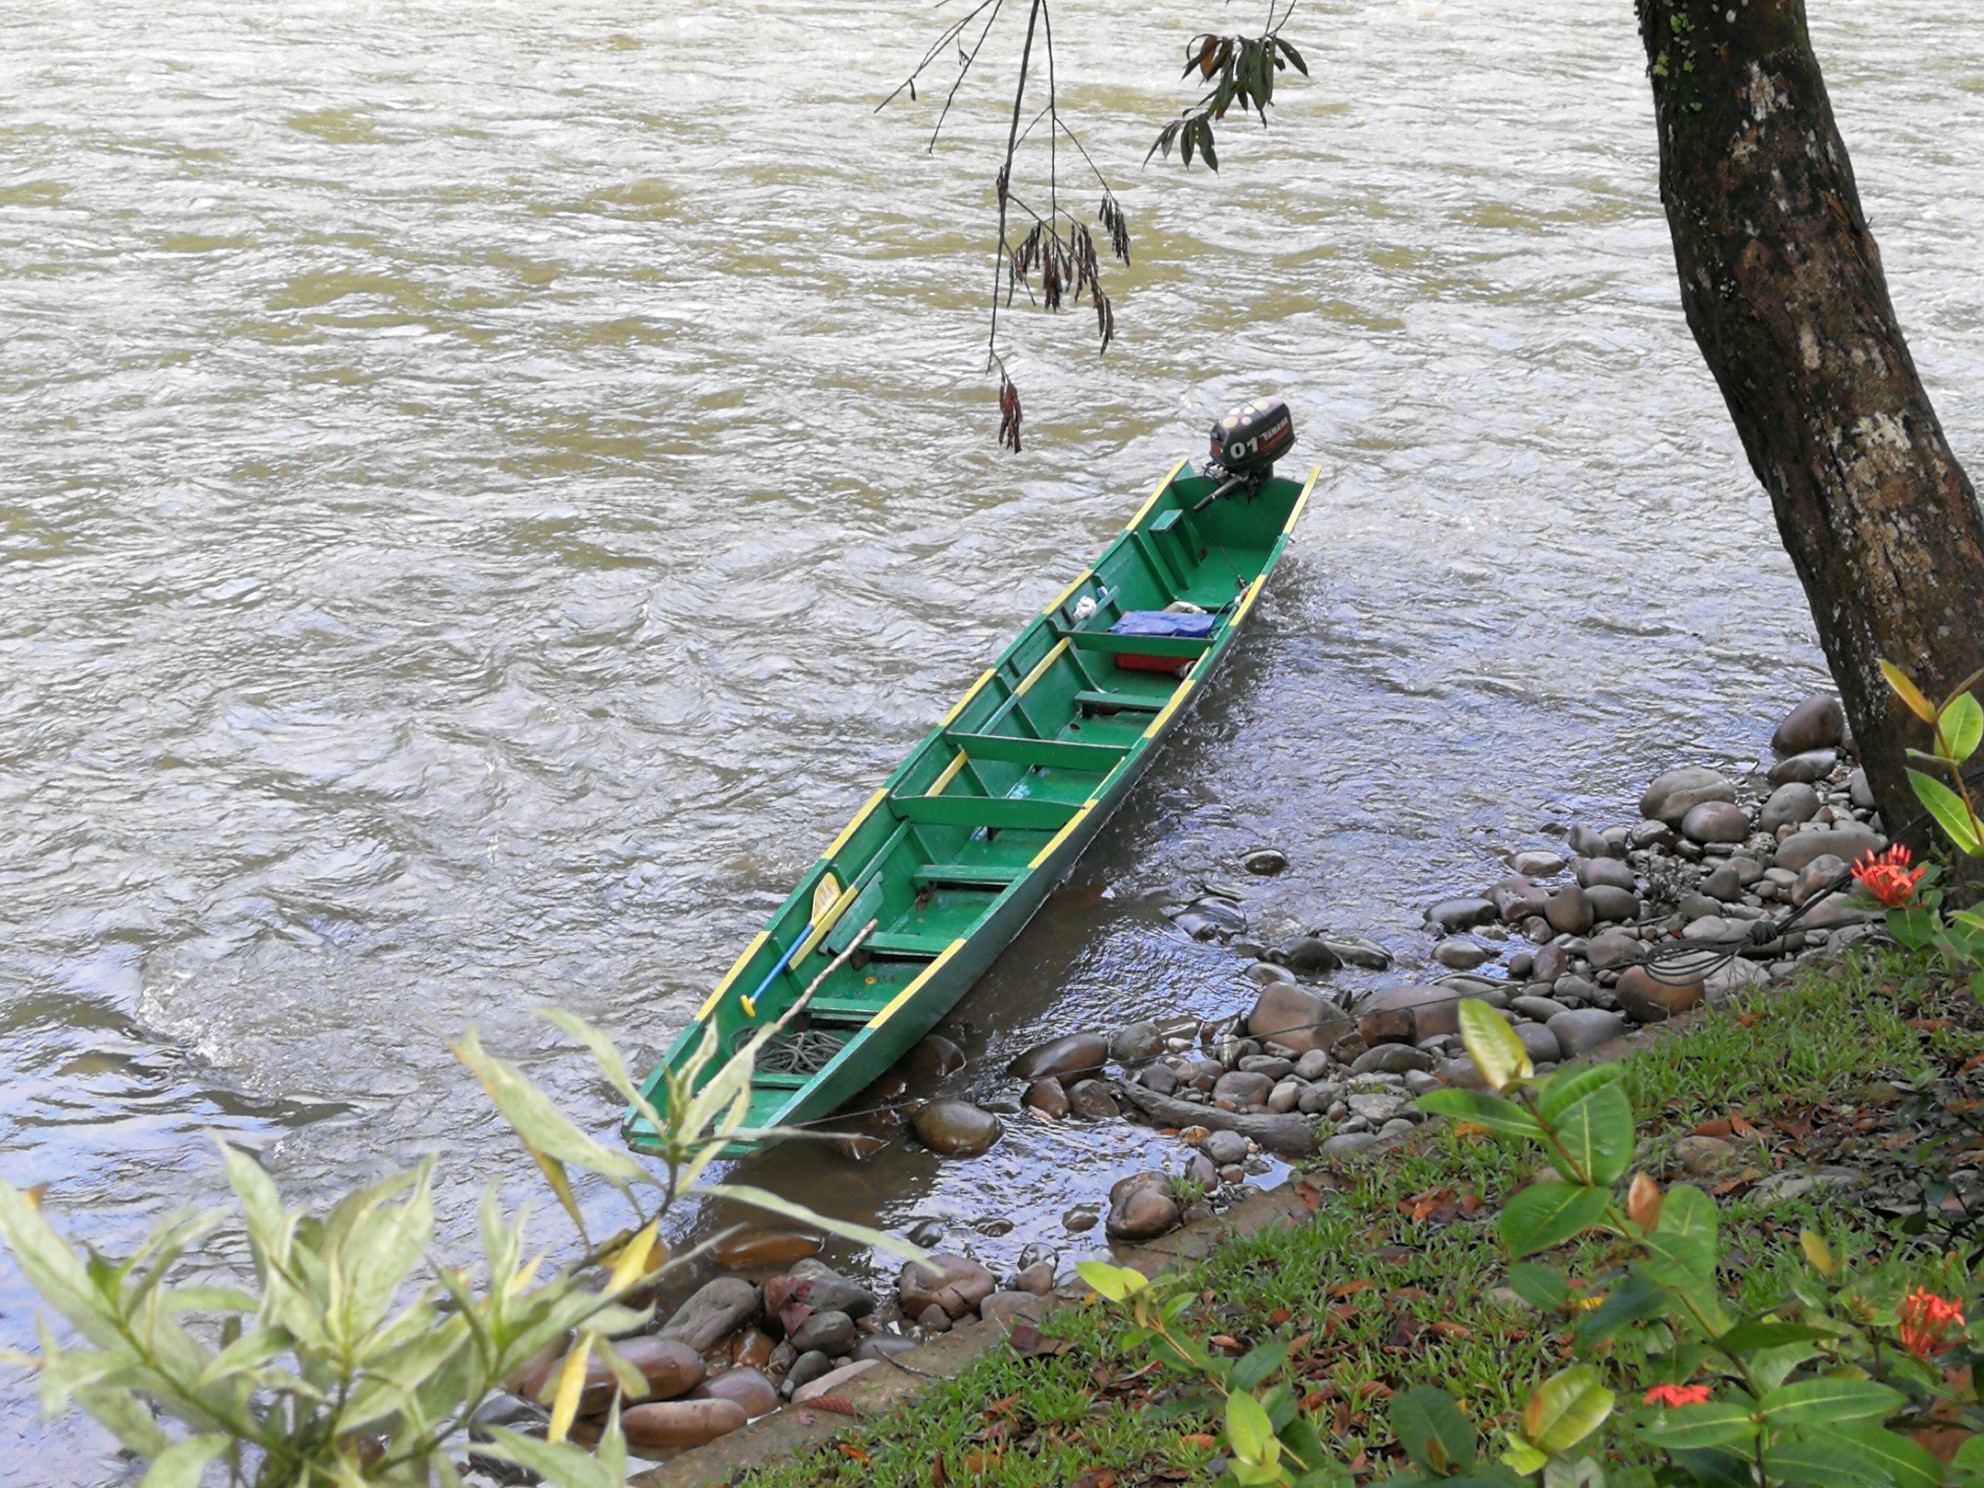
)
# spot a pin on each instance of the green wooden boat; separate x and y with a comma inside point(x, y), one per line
point(948, 861)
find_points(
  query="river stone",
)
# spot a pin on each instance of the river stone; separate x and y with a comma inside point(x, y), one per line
point(1161, 1079)
point(1584, 1029)
point(1049, 1098)
point(1649, 1000)
point(1716, 821)
point(1817, 723)
point(885, 1345)
point(1612, 949)
point(1242, 1087)
point(1552, 961)
point(1537, 864)
point(833, 1381)
point(1461, 955)
point(1265, 861)
point(952, 1282)
point(681, 1423)
point(1136, 1043)
point(1608, 903)
point(1704, 1156)
point(1517, 899)
point(1674, 794)
point(1434, 1010)
point(752, 1349)
point(1392, 1059)
point(1460, 914)
point(1817, 876)
point(669, 1366)
point(1849, 843)
point(1539, 1043)
point(1297, 1019)
point(1832, 914)
point(1356, 950)
point(956, 1128)
point(1541, 1009)
point(1307, 953)
point(1077, 1054)
point(758, 1249)
point(1605, 873)
point(748, 1387)
point(1859, 791)
point(1568, 911)
point(1809, 768)
point(805, 1369)
point(1225, 1147)
point(717, 1308)
point(1724, 884)
point(1737, 977)
point(1141, 1207)
point(830, 1332)
point(1788, 805)
point(827, 1288)
point(1091, 1100)
point(1266, 973)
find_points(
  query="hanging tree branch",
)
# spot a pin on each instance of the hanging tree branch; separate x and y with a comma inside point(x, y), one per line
point(1056, 261)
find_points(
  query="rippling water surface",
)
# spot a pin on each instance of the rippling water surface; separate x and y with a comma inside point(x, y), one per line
point(486, 490)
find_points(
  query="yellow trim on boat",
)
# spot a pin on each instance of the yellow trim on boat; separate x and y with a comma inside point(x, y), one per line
point(849, 830)
point(732, 975)
point(916, 986)
point(1164, 714)
point(958, 706)
point(1040, 668)
point(1301, 501)
point(1069, 592)
point(950, 774)
point(1054, 842)
point(1246, 604)
point(1162, 486)
point(826, 922)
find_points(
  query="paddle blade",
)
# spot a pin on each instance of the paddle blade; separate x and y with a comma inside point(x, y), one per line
point(824, 897)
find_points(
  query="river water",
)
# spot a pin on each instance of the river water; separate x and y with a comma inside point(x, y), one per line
point(485, 491)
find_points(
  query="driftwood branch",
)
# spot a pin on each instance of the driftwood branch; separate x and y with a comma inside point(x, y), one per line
point(1284, 1136)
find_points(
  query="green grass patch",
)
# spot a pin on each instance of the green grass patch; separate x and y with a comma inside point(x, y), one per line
point(1395, 1279)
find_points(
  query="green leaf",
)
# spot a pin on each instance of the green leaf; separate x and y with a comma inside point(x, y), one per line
point(1713, 1469)
point(1681, 1249)
point(1597, 1136)
point(1961, 725)
point(1541, 1287)
point(1482, 1109)
point(1889, 1456)
point(1970, 1456)
point(1548, 1214)
point(560, 1464)
point(1719, 1423)
point(1205, 145)
point(1431, 1428)
point(1829, 1400)
point(1293, 56)
point(1249, 1431)
point(540, 1124)
point(1748, 1337)
point(1566, 1408)
point(1908, 692)
point(1493, 1046)
point(759, 1198)
point(1633, 1299)
point(1563, 1473)
point(1567, 1087)
point(53, 1270)
point(1816, 1465)
point(180, 1465)
point(1948, 809)
point(1251, 1370)
point(1301, 1441)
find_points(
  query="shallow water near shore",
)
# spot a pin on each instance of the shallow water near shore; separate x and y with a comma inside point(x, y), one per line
point(485, 495)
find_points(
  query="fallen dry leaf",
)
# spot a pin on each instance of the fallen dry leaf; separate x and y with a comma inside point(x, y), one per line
point(839, 1405)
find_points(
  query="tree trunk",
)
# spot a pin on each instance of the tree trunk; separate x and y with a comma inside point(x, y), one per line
point(1783, 289)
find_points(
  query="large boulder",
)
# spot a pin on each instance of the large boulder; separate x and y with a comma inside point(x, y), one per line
point(1141, 1207)
point(1460, 914)
point(1647, 999)
point(1432, 1010)
point(1790, 804)
point(1583, 1029)
point(1674, 794)
point(1604, 873)
point(758, 1249)
point(681, 1423)
point(1810, 767)
point(1569, 911)
point(1077, 1054)
point(1817, 723)
point(827, 1288)
point(1716, 821)
point(748, 1387)
point(1296, 1018)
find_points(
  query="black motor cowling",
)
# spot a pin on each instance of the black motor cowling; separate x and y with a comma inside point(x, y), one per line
point(1251, 438)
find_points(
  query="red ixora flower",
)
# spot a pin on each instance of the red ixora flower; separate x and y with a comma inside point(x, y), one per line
point(1926, 1320)
point(1887, 877)
point(1670, 1396)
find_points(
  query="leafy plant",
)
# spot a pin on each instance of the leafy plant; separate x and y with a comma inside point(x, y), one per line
point(357, 1357)
point(1915, 915)
point(1830, 1387)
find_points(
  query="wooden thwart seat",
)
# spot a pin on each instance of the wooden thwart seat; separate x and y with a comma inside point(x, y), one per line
point(972, 875)
point(894, 943)
point(1103, 699)
point(1022, 813)
point(1124, 645)
point(1051, 754)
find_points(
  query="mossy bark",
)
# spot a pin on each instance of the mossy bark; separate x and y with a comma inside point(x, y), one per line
point(1783, 288)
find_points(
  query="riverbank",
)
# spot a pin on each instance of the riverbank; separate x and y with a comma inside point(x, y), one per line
point(1797, 1107)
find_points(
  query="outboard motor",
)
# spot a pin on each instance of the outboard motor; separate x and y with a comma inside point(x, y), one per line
point(1250, 439)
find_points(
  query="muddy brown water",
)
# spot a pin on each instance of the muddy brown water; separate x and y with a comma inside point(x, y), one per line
point(485, 493)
